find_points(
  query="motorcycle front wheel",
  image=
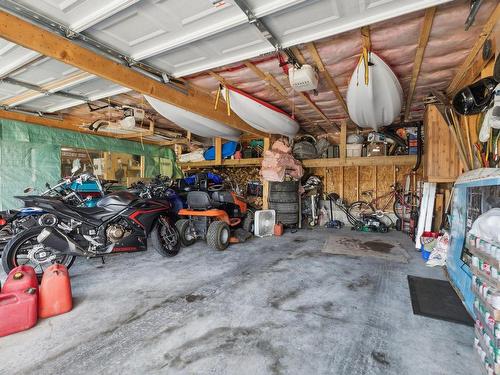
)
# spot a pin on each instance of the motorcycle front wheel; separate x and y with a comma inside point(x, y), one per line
point(165, 238)
point(24, 249)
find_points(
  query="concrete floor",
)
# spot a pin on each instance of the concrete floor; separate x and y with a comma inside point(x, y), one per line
point(270, 306)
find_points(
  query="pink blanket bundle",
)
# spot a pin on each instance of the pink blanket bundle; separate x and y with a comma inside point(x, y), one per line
point(278, 162)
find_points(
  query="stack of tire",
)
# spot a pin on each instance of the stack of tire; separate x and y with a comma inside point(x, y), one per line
point(284, 199)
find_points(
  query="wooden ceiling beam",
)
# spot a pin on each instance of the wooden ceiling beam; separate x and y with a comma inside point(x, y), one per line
point(28, 35)
point(465, 71)
point(366, 37)
point(326, 75)
point(298, 55)
point(423, 39)
point(300, 58)
point(277, 88)
point(217, 76)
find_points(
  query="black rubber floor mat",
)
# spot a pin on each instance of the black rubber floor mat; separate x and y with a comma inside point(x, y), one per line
point(437, 299)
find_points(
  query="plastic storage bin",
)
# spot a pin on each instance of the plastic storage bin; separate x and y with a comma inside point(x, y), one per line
point(354, 150)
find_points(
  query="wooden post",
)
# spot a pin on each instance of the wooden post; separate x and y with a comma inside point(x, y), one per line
point(218, 151)
point(343, 140)
point(341, 192)
point(178, 150)
point(143, 166)
point(265, 184)
point(357, 183)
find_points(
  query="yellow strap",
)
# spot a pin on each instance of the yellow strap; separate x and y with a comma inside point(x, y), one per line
point(228, 102)
point(217, 97)
point(365, 61)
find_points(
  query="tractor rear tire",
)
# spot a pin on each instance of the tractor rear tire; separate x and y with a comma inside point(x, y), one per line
point(248, 222)
point(218, 235)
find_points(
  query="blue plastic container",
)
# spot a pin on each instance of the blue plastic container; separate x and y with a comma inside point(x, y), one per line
point(425, 253)
point(228, 150)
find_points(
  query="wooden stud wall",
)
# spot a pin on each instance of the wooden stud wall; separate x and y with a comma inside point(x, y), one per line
point(350, 182)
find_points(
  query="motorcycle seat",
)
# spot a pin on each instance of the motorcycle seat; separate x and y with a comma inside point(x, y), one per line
point(117, 201)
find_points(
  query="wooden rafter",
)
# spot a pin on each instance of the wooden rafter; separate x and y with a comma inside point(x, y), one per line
point(277, 87)
point(366, 37)
point(326, 75)
point(313, 105)
point(465, 69)
point(217, 76)
point(52, 86)
point(33, 37)
point(298, 55)
point(425, 32)
point(300, 58)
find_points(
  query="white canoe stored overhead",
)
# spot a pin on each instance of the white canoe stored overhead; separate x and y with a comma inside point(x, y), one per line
point(259, 114)
point(193, 122)
point(377, 103)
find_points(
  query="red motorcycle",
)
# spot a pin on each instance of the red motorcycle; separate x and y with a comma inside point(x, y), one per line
point(121, 222)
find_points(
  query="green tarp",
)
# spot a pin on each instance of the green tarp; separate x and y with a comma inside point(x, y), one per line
point(30, 155)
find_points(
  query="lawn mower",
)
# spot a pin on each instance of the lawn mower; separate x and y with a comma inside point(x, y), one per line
point(368, 223)
point(211, 216)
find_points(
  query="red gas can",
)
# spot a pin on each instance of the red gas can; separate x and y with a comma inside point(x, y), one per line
point(55, 292)
point(20, 279)
point(18, 311)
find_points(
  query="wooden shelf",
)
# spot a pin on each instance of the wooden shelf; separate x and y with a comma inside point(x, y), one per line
point(312, 163)
point(250, 162)
point(361, 161)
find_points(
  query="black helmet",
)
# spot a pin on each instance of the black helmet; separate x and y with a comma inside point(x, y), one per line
point(475, 98)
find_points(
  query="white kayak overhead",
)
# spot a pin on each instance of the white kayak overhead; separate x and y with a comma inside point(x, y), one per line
point(259, 114)
point(193, 122)
point(377, 103)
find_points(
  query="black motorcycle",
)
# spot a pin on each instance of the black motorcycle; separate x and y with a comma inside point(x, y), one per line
point(121, 222)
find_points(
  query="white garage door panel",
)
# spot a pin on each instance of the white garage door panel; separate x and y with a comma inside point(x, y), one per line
point(224, 48)
point(12, 56)
point(151, 27)
point(97, 88)
point(46, 103)
point(44, 71)
point(77, 14)
point(262, 8)
point(8, 91)
point(317, 19)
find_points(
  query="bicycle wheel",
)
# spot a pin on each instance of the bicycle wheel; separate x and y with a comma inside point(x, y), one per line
point(402, 209)
point(359, 209)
